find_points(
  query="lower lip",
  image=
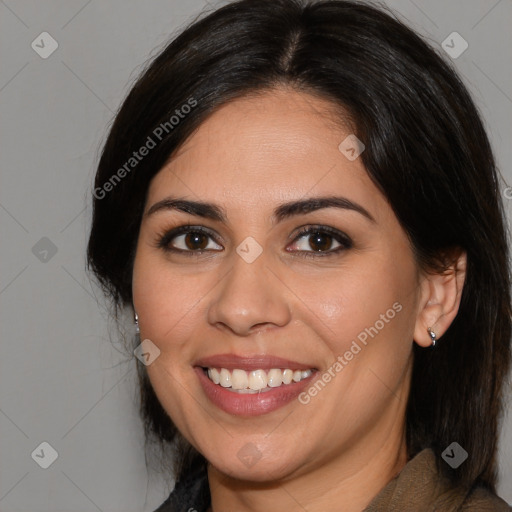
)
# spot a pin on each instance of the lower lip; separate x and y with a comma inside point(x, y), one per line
point(250, 404)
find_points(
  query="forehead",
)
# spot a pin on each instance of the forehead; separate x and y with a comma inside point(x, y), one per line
point(260, 150)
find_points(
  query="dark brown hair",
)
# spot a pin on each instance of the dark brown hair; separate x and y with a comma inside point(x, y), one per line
point(426, 150)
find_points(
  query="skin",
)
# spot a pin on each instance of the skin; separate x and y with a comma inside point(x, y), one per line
point(348, 442)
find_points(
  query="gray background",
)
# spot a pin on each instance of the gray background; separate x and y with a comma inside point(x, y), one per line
point(62, 379)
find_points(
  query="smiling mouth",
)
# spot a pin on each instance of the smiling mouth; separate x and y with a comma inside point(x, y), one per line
point(255, 381)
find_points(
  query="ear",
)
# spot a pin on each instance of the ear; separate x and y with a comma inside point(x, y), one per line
point(440, 299)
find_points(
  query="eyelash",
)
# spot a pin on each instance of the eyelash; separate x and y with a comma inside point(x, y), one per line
point(164, 239)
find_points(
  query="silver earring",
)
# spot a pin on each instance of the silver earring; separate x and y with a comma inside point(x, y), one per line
point(137, 330)
point(432, 336)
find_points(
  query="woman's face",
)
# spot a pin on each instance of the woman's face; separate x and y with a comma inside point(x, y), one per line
point(335, 307)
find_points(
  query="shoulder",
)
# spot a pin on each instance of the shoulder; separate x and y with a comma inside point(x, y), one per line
point(482, 500)
point(421, 487)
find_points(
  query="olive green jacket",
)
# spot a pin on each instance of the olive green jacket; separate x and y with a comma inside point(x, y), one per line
point(420, 488)
point(417, 488)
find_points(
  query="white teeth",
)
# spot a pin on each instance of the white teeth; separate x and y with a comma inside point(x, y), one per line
point(275, 378)
point(225, 378)
point(239, 379)
point(287, 376)
point(305, 374)
point(214, 375)
point(257, 380)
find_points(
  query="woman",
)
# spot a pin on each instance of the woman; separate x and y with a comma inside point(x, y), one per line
point(300, 204)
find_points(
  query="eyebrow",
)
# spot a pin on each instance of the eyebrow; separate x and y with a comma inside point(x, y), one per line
point(214, 212)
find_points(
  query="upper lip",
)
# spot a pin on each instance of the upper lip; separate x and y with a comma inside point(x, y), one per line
point(252, 362)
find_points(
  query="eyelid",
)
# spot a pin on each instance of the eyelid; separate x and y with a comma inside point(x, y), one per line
point(343, 239)
point(166, 236)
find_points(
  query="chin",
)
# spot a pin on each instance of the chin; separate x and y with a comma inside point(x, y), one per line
point(249, 464)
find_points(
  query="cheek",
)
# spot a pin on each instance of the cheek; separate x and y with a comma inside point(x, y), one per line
point(375, 326)
point(169, 302)
point(167, 305)
point(360, 302)
point(365, 318)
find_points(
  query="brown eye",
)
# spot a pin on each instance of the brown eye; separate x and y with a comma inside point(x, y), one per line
point(320, 241)
point(195, 241)
point(187, 239)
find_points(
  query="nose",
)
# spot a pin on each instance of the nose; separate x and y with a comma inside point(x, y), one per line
point(249, 299)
